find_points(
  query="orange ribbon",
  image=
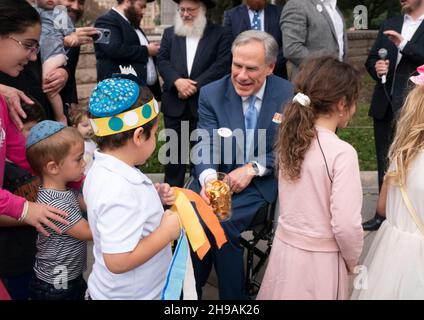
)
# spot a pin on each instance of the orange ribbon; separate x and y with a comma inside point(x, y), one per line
point(209, 218)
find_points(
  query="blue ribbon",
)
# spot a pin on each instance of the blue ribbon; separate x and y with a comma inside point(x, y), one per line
point(177, 270)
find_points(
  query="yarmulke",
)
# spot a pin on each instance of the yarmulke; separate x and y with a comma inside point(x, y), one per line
point(43, 130)
point(113, 96)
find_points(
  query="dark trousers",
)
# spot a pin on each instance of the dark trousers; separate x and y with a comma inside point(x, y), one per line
point(384, 130)
point(41, 290)
point(228, 261)
point(18, 286)
point(175, 172)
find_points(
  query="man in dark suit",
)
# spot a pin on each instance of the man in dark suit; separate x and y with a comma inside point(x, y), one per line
point(193, 53)
point(242, 111)
point(258, 15)
point(403, 38)
point(128, 44)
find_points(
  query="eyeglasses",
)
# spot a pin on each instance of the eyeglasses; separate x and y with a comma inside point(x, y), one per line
point(189, 11)
point(33, 49)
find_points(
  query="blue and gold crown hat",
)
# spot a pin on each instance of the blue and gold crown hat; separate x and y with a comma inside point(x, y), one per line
point(111, 99)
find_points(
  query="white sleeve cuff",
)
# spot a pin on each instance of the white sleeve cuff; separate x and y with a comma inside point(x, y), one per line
point(262, 170)
point(403, 44)
point(204, 174)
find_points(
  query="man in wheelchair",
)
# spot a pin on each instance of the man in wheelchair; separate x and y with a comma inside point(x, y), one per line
point(238, 120)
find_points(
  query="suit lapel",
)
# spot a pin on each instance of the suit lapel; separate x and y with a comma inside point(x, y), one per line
point(181, 47)
point(398, 24)
point(235, 112)
point(245, 18)
point(126, 24)
point(203, 42)
point(267, 19)
point(265, 116)
point(418, 33)
point(326, 16)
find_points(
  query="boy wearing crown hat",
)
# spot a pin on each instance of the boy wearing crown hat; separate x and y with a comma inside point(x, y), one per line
point(55, 153)
point(131, 231)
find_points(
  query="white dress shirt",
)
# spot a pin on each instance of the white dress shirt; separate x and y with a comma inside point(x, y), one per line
point(331, 7)
point(191, 48)
point(152, 75)
point(409, 27)
point(245, 104)
point(261, 16)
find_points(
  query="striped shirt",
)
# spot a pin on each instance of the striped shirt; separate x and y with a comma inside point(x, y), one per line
point(57, 253)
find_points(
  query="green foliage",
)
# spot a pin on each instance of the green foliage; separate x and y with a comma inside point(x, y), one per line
point(216, 14)
point(360, 135)
point(378, 10)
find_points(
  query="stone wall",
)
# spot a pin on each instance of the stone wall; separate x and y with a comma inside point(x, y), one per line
point(360, 43)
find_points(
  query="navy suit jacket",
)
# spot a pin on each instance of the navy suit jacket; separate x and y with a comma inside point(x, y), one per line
point(221, 107)
point(123, 49)
point(237, 20)
point(211, 62)
point(397, 82)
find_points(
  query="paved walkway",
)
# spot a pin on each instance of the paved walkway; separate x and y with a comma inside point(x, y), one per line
point(370, 189)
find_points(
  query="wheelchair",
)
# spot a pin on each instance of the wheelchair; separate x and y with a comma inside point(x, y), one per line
point(261, 228)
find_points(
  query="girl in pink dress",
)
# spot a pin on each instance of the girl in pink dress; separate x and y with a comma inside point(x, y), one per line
point(319, 235)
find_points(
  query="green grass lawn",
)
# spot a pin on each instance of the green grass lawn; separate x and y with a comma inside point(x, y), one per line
point(360, 135)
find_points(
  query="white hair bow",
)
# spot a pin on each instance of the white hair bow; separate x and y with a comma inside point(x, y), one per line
point(303, 99)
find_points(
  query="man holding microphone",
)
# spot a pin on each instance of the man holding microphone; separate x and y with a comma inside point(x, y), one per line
point(396, 54)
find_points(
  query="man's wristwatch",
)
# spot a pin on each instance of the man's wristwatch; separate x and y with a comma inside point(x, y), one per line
point(255, 167)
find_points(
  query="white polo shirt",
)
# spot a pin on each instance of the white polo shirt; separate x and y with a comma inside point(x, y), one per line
point(123, 207)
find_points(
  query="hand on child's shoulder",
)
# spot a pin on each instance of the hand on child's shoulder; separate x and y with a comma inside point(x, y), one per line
point(171, 222)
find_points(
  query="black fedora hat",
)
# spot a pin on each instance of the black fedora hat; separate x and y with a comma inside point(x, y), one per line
point(208, 3)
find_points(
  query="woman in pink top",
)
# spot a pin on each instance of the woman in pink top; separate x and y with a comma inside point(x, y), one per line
point(319, 235)
point(19, 34)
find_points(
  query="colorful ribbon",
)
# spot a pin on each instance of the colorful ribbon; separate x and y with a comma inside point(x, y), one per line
point(180, 274)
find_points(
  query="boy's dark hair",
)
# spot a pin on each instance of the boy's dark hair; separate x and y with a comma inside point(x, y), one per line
point(54, 148)
point(115, 141)
point(16, 16)
point(34, 112)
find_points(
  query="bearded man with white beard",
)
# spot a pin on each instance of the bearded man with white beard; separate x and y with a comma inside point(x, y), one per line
point(403, 38)
point(193, 53)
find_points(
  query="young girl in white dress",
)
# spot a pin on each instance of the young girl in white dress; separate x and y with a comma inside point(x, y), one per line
point(394, 266)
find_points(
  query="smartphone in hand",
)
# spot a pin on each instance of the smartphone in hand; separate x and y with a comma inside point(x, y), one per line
point(102, 36)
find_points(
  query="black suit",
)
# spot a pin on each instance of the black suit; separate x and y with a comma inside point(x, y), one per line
point(384, 111)
point(237, 20)
point(211, 62)
point(123, 49)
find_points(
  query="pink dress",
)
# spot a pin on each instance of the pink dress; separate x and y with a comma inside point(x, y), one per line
point(319, 230)
point(12, 146)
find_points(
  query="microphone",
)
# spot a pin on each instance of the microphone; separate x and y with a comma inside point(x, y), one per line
point(382, 53)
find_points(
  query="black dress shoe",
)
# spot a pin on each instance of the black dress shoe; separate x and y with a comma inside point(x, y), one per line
point(374, 223)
